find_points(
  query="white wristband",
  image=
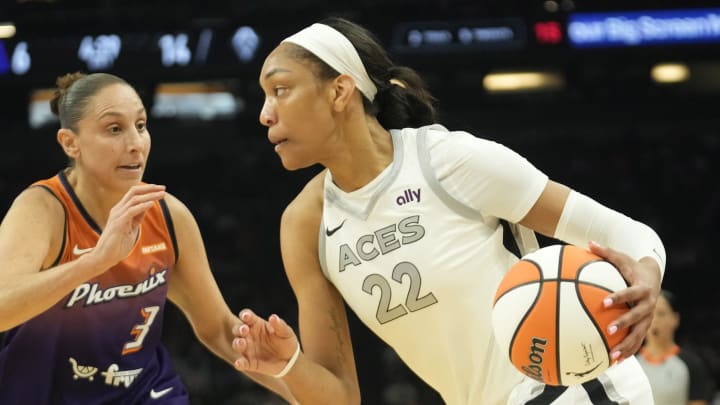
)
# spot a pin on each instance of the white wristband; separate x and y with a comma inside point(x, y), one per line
point(289, 364)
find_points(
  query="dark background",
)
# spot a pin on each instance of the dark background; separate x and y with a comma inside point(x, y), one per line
point(647, 150)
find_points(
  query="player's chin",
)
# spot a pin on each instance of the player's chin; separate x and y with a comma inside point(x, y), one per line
point(291, 163)
point(134, 175)
point(132, 181)
point(126, 182)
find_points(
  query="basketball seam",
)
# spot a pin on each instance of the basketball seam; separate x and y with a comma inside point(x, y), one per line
point(530, 307)
point(558, 274)
point(589, 315)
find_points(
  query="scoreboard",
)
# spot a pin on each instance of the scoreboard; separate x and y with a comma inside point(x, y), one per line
point(237, 50)
point(133, 54)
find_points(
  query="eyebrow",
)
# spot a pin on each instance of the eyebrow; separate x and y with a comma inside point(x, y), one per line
point(115, 113)
point(274, 71)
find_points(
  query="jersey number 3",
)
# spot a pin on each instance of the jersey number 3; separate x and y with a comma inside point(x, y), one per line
point(141, 330)
point(413, 301)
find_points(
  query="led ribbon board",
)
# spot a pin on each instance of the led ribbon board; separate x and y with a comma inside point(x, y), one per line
point(641, 28)
point(424, 37)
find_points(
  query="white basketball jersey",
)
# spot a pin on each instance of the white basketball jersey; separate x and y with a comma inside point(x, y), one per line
point(420, 268)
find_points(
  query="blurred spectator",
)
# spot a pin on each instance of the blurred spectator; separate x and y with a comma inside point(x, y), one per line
point(238, 190)
point(677, 376)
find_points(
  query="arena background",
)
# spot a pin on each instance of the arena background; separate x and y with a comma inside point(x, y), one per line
point(601, 123)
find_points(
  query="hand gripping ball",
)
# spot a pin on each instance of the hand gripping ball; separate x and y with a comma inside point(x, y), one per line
point(549, 318)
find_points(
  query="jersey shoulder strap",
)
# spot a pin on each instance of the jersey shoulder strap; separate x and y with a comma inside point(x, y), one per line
point(519, 239)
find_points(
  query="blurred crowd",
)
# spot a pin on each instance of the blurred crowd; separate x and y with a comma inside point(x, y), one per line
point(659, 170)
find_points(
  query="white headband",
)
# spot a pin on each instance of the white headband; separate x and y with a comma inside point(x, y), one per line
point(336, 50)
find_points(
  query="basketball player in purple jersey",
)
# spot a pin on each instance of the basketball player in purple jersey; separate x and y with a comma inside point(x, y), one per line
point(90, 256)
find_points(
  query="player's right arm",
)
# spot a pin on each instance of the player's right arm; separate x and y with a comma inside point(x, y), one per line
point(326, 374)
point(31, 236)
point(325, 371)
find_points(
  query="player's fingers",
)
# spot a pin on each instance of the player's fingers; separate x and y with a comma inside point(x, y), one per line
point(626, 266)
point(631, 343)
point(623, 262)
point(638, 320)
point(625, 320)
point(637, 297)
point(129, 215)
point(248, 317)
point(240, 345)
point(243, 331)
point(636, 340)
point(280, 327)
point(137, 211)
point(141, 190)
point(144, 200)
point(241, 363)
point(599, 249)
point(145, 189)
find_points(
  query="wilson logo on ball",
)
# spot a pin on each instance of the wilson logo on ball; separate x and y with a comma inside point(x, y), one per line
point(537, 349)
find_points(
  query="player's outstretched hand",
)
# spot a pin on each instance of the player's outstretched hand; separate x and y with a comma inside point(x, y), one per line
point(643, 280)
point(263, 346)
point(121, 229)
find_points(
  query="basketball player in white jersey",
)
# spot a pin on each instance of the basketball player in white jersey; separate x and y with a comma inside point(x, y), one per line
point(403, 225)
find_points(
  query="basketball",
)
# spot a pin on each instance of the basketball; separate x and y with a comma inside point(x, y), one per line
point(549, 318)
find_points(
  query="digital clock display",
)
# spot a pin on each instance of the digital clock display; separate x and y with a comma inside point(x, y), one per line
point(140, 53)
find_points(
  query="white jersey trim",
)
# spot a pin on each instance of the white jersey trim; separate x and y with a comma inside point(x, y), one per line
point(431, 177)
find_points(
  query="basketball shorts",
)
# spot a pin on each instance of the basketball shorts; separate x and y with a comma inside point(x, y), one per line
point(621, 384)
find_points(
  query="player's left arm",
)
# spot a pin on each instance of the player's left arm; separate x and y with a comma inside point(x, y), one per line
point(496, 181)
point(633, 247)
point(194, 290)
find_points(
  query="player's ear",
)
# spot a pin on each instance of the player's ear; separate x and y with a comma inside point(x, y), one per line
point(68, 140)
point(343, 88)
point(676, 319)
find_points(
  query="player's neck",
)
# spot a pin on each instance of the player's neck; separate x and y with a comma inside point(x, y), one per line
point(96, 199)
point(362, 158)
point(659, 350)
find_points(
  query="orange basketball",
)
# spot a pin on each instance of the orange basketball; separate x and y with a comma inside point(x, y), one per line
point(549, 318)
